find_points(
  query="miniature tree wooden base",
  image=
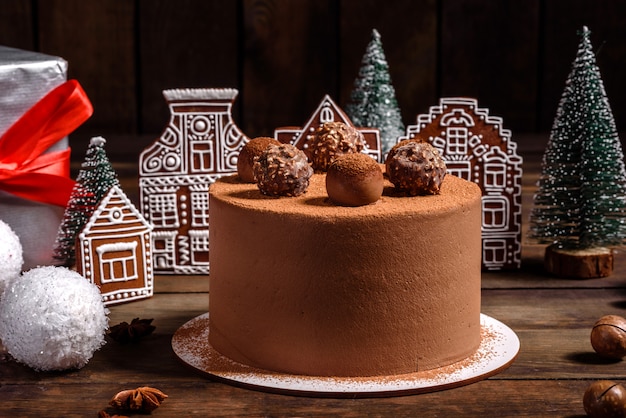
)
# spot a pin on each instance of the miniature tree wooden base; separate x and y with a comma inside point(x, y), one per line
point(580, 264)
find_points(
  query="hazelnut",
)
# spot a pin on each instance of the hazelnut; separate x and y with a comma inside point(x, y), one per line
point(282, 170)
point(331, 140)
point(605, 399)
point(248, 153)
point(608, 336)
point(416, 168)
point(354, 180)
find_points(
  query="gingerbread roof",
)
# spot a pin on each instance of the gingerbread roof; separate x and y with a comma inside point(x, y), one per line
point(461, 111)
point(115, 212)
point(327, 111)
point(200, 139)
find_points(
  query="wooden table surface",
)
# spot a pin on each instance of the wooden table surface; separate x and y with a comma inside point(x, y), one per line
point(552, 317)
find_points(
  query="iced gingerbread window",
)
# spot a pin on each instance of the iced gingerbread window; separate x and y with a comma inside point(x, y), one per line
point(118, 261)
point(163, 210)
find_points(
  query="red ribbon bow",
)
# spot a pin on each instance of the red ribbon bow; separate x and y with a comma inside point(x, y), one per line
point(25, 170)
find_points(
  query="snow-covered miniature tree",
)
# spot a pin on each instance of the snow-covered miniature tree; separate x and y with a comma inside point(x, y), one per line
point(580, 204)
point(94, 180)
point(373, 101)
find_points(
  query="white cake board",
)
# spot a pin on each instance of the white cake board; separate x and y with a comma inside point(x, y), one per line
point(499, 347)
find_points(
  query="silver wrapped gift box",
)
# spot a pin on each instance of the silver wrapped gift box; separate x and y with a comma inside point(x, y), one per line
point(25, 77)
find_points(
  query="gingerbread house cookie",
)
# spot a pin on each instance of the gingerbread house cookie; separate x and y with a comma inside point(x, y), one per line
point(476, 147)
point(328, 111)
point(200, 144)
point(113, 250)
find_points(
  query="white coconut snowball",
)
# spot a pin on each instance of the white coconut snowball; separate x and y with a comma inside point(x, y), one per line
point(11, 255)
point(52, 318)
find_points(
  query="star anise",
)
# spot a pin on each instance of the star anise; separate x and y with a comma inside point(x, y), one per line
point(126, 333)
point(105, 414)
point(143, 399)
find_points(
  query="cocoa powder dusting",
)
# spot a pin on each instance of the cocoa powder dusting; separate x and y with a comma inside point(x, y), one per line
point(193, 340)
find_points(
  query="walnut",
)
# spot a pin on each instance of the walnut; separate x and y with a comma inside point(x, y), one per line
point(416, 168)
point(143, 399)
point(282, 170)
point(331, 140)
point(137, 329)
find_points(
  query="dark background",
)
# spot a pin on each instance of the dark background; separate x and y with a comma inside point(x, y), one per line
point(284, 55)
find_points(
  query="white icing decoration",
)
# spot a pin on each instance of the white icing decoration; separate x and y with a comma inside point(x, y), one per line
point(464, 152)
point(111, 240)
point(200, 94)
point(196, 148)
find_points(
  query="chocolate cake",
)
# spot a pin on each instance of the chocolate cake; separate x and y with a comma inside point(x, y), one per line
point(301, 285)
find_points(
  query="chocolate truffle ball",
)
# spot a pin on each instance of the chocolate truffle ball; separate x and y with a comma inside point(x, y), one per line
point(282, 170)
point(608, 337)
point(354, 180)
point(604, 399)
point(416, 168)
point(393, 149)
point(248, 153)
point(331, 140)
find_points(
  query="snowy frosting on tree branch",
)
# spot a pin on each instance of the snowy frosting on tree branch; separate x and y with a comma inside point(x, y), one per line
point(581, 198)
point(94, 180)
point(373, 101)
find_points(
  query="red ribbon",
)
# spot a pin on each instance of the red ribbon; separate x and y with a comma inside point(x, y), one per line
point(25, 170)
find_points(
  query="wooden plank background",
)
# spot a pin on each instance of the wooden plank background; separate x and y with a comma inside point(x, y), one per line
point(284, 55)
